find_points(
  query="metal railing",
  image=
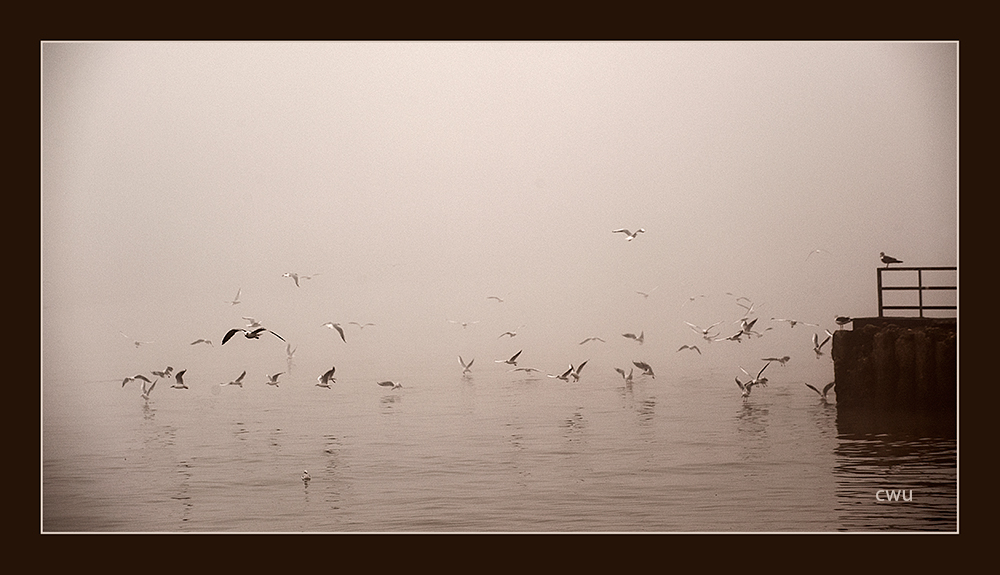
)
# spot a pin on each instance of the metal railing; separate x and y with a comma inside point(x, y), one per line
point(919, 288)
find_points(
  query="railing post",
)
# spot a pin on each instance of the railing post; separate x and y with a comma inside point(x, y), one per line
point(920, 291)
point(879, 270)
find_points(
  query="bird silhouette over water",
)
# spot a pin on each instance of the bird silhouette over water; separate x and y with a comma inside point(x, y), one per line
point(336, 326)
point(511, 361)
point(255, 334)
point(236, 299)
point(818, 345)
point(629, 234)
point(888, 259)
point(694, 347)
point(138, 376)
point(782, 360)
point(639, 338)
point(390, 384)
point(238, 381)
point(592, 339)
point(327, 378)
point(208, 341)
point(826, 388)
point(466, 367)
point(179, 380)
point(646, 370)
point(273, 379)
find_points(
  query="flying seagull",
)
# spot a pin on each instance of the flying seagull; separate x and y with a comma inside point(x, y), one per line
point(273, 379)
point(694, 347)
point(208, 341)
point(337, 327)
point(147, 390)
point(745, 387)
point(136, 342)
point(236, 299)
point(238, 381)
point(361, 325)
point(464, 324)
point(164, 373)
point(290, 352)
point(524, 369)
point(511, 333)
point(793, 322)
point(179, 380)
point(494, 297)
point(646, 370)
point(325, 379)
point(252, 323)
point(761, 381)
point(255, 334)
point(466, 367)
point(888, 259)
point(564, 376)
point(297, 277)
point(626, 378)
point(631, 235)
point(703, 330)
point(135, 377)
point(645, 294)
point(816, 251)
point(391, 384)
point(817, 345)
point(592, 339)
point(826, 388)
point(639, 338)
point(781, 360)
point(511, 361)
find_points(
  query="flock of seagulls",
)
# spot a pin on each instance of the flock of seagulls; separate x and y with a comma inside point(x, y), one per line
point(254, 330)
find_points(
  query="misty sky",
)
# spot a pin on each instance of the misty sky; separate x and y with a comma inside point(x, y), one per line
point(418, 178)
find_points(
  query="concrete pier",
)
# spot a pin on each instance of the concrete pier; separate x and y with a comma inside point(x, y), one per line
point(897, 363)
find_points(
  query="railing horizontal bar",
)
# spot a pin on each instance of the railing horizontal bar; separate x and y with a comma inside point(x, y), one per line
point(920, 307)
point(918, 287)
point(913, 269)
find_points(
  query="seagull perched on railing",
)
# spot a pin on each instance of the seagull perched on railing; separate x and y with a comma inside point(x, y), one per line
point(255, 334)
point(631, 235)
point(843, 320)
point(826, 388)
point(888, 259)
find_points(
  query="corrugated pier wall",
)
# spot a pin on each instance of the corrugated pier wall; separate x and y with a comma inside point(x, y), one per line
point(897, 363)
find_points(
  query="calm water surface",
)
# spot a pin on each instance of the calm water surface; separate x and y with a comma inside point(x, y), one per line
point(492, 452)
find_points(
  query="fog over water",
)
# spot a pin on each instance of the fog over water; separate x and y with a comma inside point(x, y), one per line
point(416, 179)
